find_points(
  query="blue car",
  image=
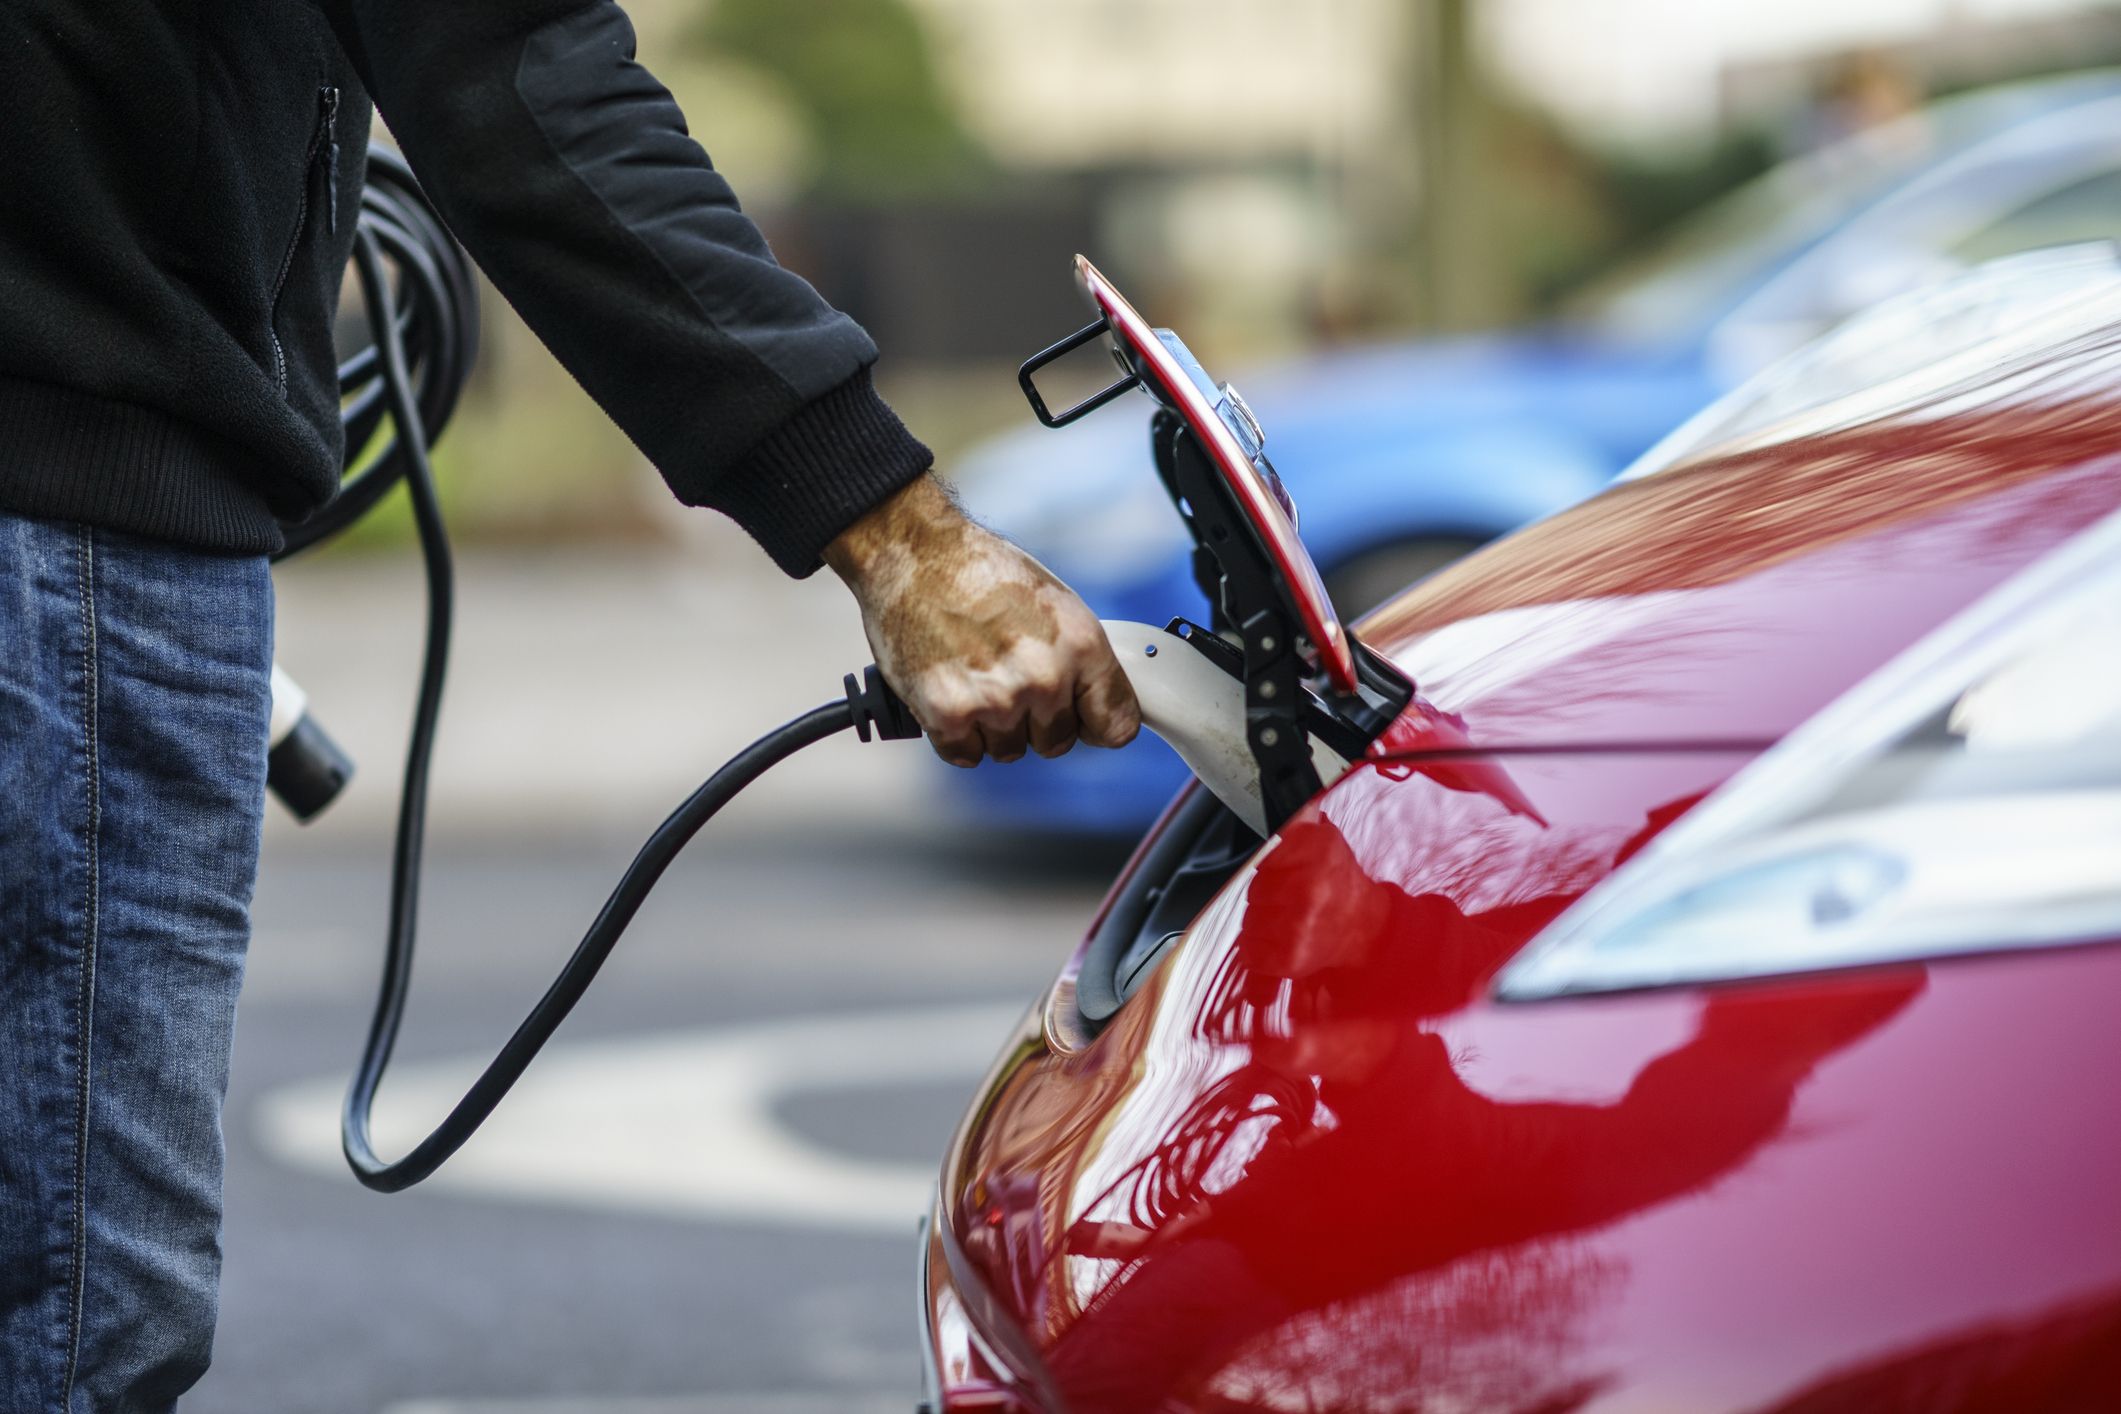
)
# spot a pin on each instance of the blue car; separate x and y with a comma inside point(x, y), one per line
point(1402, 457)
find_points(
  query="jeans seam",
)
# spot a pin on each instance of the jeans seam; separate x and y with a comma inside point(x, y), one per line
point(85, 998)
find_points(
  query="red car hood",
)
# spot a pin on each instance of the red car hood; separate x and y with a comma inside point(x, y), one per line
point(1729, 600)
point(1311, 1167)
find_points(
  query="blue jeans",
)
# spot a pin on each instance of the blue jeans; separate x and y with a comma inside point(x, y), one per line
point(134, 695)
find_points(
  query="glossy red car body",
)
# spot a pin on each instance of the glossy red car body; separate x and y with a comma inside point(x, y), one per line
point(1311, 1166)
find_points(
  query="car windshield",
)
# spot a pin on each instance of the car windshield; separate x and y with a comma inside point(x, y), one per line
point(2034, 326)
point(1715, 258)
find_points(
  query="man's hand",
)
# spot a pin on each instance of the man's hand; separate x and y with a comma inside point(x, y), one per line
point(991, 652)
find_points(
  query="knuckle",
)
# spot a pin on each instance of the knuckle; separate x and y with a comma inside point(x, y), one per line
point(951, 710)
point(1045, 691)
point(1111, 724)
point(1084, 637)
point(1034, 668)
point(1001, 711)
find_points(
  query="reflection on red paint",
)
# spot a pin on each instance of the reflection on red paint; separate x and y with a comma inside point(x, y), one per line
point(1284, 1187)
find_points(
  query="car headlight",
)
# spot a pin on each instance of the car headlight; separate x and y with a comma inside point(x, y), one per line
point(1965, 798)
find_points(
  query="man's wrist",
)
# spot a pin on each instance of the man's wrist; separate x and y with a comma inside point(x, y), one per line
point(829, 464)
point(915, 521)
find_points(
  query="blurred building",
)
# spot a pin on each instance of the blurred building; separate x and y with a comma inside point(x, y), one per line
point(1255, 168)
point(1215, 153)
point(1073, 84)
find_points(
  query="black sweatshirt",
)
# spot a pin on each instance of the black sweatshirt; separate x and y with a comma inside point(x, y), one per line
point(178, 182)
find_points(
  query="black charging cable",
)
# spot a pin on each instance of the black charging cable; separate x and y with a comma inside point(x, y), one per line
point(428, 260)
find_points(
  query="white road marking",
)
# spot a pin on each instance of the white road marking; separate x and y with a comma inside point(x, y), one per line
point(678, 1125)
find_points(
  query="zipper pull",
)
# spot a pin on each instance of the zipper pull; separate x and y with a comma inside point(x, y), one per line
point(331, 161)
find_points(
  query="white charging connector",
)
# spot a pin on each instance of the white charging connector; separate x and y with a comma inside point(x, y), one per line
point(1199, 709)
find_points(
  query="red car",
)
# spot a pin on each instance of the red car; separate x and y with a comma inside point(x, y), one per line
point(1507, 1074)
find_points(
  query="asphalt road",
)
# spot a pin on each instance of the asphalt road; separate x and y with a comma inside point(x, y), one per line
point(703, 1197)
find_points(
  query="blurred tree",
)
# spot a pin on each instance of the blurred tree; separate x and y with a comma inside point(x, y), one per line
point(1569, 211)
point(1514, 209)
point(1508, 209)
point(861, 75)
point(1649, 192)
point(1463, 284)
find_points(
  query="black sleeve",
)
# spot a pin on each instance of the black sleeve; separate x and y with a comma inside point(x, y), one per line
point(567, 172)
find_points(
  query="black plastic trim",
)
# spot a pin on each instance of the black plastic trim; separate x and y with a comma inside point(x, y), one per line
point(1038, 361)
point(1163, 896)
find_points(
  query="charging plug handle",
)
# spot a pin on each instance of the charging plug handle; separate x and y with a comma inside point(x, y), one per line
point(306, 769)
point(876, 708)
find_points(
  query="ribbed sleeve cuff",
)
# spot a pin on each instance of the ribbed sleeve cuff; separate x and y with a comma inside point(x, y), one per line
point(819, 472)
point(69, 455)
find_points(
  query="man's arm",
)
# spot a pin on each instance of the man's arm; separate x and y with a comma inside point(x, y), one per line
point(567, 172)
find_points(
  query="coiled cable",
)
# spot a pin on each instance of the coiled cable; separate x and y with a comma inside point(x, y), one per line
point(437, 316)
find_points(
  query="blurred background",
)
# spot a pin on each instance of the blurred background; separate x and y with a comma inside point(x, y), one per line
point(1466, 260)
